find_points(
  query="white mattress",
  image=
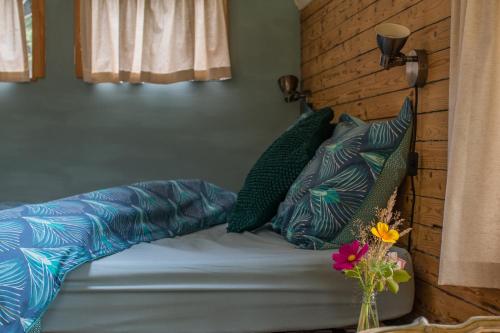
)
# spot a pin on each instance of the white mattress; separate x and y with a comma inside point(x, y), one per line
point(212, 281)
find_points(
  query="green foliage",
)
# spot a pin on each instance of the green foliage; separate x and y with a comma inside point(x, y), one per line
point(401, 276)
point(378, 275)
point(392, 285)
point(386, 271)
point(380, 285)
point(352, 274)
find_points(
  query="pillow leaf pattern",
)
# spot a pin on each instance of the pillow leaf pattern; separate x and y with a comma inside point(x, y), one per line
point(334, 199)
point(335, 184)
point(338, 153)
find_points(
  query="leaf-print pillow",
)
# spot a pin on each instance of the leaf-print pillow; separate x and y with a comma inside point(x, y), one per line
point(335, 184)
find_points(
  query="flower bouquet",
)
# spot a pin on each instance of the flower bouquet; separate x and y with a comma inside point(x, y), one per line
point(369, 260)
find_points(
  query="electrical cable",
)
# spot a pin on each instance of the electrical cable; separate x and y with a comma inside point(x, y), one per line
point(413, 143)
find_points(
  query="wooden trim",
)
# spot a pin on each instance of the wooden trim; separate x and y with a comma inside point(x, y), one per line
point(38, 25)
point(77, 42)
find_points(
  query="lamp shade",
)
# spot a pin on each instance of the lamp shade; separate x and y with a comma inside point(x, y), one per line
point(391, 38)
point(288, 84)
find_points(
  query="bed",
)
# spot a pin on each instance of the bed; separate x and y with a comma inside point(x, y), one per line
point(212, 281)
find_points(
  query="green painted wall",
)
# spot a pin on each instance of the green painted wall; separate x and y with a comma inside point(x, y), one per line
point(60, 136)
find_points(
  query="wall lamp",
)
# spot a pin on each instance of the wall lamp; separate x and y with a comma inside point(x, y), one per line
point(390, 40)
point(288, 85)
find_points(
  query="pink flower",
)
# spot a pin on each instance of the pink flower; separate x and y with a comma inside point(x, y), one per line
point(348, 256)
point(393, 257)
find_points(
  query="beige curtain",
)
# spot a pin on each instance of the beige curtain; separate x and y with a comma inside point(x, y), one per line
point(13, 52)
point(470, 251)
point(158, 41)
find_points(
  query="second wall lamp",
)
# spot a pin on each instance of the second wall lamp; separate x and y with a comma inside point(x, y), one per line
point(288, 85)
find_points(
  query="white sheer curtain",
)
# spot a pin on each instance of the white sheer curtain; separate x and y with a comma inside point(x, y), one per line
point(14, 65)
point(158, 41)
point(470, 250)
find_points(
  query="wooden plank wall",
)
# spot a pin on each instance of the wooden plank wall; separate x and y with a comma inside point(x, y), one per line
point(340, 65)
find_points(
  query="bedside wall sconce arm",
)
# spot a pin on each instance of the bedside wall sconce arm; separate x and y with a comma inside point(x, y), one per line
point(390, 40)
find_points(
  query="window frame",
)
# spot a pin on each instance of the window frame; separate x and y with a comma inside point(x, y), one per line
point(38, 39)
point(77, 40)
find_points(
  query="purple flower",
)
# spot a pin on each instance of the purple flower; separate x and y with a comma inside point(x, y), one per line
point(348, 256)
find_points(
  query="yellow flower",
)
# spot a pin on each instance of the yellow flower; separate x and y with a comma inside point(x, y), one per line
point(382, 231)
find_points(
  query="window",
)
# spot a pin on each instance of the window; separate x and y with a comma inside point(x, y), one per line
point(34, 22)
point(160, 41)
point(22, 42)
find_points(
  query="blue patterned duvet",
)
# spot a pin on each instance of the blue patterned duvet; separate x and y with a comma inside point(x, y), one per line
point(41, 243)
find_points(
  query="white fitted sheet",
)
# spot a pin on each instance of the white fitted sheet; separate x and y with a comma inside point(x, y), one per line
point(212, 281)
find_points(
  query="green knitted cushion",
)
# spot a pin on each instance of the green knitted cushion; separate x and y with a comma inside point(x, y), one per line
point(274, 172)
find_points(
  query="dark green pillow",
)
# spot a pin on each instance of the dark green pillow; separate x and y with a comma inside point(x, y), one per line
point(275, 171)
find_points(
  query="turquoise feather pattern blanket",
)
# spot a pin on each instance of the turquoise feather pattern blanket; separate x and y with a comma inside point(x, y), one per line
point(41, 243)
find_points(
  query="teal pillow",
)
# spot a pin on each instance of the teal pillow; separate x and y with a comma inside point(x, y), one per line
point(270, 178)
point(353, 172)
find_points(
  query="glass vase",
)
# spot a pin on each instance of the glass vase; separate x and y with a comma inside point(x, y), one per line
point(368, 316)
